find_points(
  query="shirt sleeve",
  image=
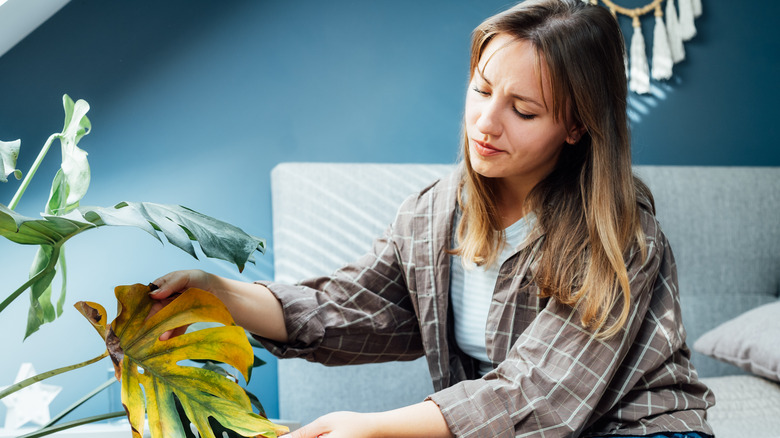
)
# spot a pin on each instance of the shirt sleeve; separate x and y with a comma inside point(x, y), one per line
point(556, 373)
point(360, 314)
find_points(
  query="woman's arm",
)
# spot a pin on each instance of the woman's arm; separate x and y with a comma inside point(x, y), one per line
point(252, 306)
point(420, 420)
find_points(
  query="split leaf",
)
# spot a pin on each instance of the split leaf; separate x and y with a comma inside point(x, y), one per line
point(181, 226)
point(149, 368)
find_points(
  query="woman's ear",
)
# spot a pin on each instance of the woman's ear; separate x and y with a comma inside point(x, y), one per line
point(576, 131)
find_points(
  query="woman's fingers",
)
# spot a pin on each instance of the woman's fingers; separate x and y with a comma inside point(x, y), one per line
point(311, 430)
point(169, 284)
point(336, 425)
point(173, 333)
point(166, 289)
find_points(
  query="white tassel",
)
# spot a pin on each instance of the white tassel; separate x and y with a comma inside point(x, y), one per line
point(673, 31)
point(687, 28)
point(640, 72)
point(662, 54)
point(625, 64)
point(697, 8)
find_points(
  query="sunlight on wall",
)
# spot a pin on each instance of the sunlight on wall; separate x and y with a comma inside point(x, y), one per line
point(640, 105)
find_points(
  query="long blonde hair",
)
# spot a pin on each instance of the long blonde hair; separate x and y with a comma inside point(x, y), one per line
point(587, 206)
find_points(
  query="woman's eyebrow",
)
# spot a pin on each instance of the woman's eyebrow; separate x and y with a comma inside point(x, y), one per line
point(527, 99)
point(519, 97)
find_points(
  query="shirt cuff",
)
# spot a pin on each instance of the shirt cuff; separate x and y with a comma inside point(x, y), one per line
point(305, 332)
point(472, 409)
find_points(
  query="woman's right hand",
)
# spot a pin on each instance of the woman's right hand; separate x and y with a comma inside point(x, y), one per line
point(251, 305)
point(170, 286)
point(177, 282)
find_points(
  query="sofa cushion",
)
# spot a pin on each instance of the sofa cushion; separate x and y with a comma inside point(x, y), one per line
point(745, 406)
point(750, 341)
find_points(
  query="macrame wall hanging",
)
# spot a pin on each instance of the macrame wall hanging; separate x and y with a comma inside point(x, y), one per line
point(668, 39)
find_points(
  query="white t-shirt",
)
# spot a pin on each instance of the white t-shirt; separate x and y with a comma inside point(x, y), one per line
point(471, 291)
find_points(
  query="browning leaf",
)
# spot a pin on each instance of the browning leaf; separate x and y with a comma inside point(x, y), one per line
point(146, 362)
point(96, 315)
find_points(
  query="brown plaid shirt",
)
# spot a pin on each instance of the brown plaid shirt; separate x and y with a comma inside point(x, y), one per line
point(552, 378)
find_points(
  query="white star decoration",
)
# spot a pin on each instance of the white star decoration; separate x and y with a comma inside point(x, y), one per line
point(31, 403)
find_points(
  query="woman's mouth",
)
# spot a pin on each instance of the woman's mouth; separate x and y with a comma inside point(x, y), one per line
point(486, 149)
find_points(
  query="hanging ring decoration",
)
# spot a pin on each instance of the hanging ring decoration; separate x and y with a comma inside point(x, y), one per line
point(668, 38)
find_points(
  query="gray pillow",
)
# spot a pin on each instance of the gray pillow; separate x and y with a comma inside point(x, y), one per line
point(750, 341)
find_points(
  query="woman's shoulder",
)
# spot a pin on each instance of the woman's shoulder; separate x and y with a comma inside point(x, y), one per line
point(439, 194)
point(645, 204)
point(656, 245)
point(647, 218)
point(431, 208)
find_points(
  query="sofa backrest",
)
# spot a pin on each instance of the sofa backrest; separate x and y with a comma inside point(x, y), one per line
point(722, 224)
point(325, 215)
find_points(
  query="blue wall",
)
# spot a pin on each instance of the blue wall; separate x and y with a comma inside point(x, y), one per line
point(194, 102)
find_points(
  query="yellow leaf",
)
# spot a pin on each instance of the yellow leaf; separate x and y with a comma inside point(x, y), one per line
point(149, 368)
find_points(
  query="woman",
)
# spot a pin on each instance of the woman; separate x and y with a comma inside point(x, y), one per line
point(535, 279)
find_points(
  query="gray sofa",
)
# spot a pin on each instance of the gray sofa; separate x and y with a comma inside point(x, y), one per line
point(723, 224)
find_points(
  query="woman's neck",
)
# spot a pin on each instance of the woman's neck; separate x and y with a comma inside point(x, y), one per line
point(511, 203)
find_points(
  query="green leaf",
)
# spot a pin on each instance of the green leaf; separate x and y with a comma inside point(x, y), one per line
point(49, 230)
point(41, 309)
point(9, 152)
point(256, 403)
point(181, 225)
point(258, 362)
point(76, 123)
point(141, 359)
point(75, 167)
point(36, 314)
point(57, 203)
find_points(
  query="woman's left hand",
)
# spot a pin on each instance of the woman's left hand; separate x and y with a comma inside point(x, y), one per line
point(337, 425)
point(419, 420)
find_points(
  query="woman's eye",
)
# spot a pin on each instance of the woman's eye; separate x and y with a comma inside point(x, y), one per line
point(523, 115)
point(481, 92)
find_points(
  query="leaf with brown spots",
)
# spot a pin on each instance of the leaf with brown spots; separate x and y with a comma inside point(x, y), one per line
point(143, 361)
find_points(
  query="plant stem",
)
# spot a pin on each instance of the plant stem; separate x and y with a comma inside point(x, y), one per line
point(70, 424)
point(30, 173)
point(70, 408)
point(43, 376)
point(55, 255)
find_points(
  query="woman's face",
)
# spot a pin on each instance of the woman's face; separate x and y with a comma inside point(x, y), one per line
point(511, 131)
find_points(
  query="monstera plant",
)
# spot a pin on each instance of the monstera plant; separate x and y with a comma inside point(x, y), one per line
point(208, 396)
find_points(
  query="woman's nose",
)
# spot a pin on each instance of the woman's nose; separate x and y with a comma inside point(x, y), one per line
point(489, 122)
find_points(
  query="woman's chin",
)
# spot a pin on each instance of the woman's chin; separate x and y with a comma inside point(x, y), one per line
point(485, 168)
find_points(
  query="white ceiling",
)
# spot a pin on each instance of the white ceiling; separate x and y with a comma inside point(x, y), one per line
point(20, 17)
